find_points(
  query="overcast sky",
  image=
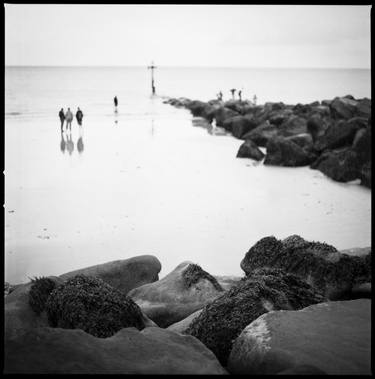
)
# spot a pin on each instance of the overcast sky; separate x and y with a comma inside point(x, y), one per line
point(188, 35)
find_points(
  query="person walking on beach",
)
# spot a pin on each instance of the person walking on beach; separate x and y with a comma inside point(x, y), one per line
point(79, 116)
point(62, 118)
point(115, 102)
point(69, 119)
point(233, 90)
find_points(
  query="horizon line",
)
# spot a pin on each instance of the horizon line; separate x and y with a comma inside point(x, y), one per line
point(185, 66)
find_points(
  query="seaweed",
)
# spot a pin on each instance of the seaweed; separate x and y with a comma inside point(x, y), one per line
point(90, 304)
point(194, 273)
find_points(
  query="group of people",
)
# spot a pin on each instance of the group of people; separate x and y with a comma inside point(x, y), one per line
point(68, 118)
point(233, 91)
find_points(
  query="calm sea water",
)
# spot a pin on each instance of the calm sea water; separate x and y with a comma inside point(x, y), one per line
point(146, 181)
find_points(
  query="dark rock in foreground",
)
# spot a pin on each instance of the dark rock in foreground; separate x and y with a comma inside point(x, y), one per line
point(124, 274)
point(89, 304)
point(222, 321)
point(333, 273)
point(185, 290)
point(250, 150)
point(284, 152)
point(332, 338)
point(129, 351)
point(261, 134)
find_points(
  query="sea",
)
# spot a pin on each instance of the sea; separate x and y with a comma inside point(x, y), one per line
point(150, 179)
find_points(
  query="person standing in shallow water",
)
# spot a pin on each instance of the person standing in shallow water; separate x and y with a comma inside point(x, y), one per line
point(62, 118)
point(69, 119)
point(79, 116)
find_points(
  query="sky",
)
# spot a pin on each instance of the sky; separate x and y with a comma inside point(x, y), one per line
point(188, 35)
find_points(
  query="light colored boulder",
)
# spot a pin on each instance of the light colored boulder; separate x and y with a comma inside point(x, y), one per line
point(333, 337)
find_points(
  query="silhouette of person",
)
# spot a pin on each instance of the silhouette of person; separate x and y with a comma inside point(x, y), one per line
point(233, 90)
point(62, 118)
point(255, 99)
point(69, 119)
point(79, 116)
point(115, 102)
point(220, 96)
point(62, 142)
point(70, 144)
point(240, 95)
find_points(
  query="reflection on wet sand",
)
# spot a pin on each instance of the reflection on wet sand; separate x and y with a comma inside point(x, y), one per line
point(70, 143)
point(62, 142)
point(211, 128)
point(80, 145)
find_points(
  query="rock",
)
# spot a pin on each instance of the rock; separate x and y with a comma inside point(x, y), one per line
point(340, 134)
point(343, 107)
point(341, 165)
point(183, 291)
point(292, 126)
point(303, 140)
point(316, 126)
point(362, 145)
point(227, 281)
point(19, 317)
point(183, 325)
point(365, 175)
point(124, 274)
point(150, 351)
point(332, 338)
point(284, 152)
point(239, 125)
point(90, 304)
point(333, 273)
point(280, 116)
point(261, 134)
point(221, 321)
point(302, 370)
point(250, 150)
point(364, 108)
point(327, 103)
point(221, 114)
point(303, 108)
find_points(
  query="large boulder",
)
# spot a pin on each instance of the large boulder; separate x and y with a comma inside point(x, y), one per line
point(362, 145)
point(303, 140)
point(183, 291)
point(333, 273)
point(340, 134)
point(221, 114)
point(285, 152)
point(341, 165)
point(261, 134)
point(150, 351)
point(317, 126)
point(221, 321)
point(364, 108)
point(250, 150)
point(19, 315)
point(183, 325)
point(239, 125)
point(201, 109)
point(332, 338)
point(344, 107)
point(292, 126)
point(279, 116)
point(365, 175)
point(124, 274)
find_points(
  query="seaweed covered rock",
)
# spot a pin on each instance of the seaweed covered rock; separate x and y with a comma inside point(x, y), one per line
point(333, 273)
point(183, 325)
point(341, 165)
point(332, 338)
point(180, 293)
point(285, 152)
point(90, 304)
point(124, 274)
point(21, 315)
point(221, 321)
point(40, 290)
point(152, 351)
point(250, 150)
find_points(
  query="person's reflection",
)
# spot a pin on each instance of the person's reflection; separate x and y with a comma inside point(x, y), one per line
point(152, 127)
point(70, 143)
point(80, 145)
point(62, 143)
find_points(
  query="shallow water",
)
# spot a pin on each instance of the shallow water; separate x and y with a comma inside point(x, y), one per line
point(146, 181)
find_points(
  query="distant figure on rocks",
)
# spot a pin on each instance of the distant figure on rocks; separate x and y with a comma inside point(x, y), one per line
point(115, 102)
point(79, 116)
point(62, 118)
point(255, 99)
point(69, 119)
point(233, 90)
point(220, 96)
point(240, 95)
